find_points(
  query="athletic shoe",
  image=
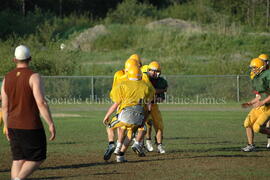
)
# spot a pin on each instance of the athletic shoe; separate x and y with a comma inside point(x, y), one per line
point(249, 148)
point(138, 149)
point(268, 146)
point(160, 149)
point(149, 146)
point(109, 151)
point(120, 159)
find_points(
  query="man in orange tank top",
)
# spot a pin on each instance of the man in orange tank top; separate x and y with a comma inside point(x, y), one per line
point(22, 103)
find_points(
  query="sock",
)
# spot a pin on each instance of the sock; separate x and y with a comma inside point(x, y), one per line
point(268, 141)
point(118, 145)
point(111, 142)
point(136, 142)
point(121, 153)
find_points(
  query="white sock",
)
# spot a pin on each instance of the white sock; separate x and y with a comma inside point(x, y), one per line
point(118, 145)
point(136, 142)
point(268, 140)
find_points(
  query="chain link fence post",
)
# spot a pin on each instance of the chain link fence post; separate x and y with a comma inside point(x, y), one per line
point(92, 89)
point(238, 88)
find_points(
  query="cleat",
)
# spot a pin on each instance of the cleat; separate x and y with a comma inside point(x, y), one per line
point(120, 159)
point(138, 149)
point(268, 146)
point(109, 151)
point(248, 148)
point(160, 149)
point(149, 146)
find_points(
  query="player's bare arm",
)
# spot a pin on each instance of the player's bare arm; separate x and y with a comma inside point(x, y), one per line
point(4, 108)
point(262, 102)
point(109, 113)
point(38, 92)
point(252, 102)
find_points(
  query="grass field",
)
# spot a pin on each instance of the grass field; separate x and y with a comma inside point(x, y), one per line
point(202, 142)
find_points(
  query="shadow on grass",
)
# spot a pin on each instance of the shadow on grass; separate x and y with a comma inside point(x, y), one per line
point(107, 173)
point(221, 149)
point(184, 138)
point(214, 143)
point(225, 156)
point(65, 143)
point(75, 166)
point(57, 177)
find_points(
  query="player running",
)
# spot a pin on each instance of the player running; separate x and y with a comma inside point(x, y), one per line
point(160, 85)
point(130, 100)
point(265, 58)
point(118, 78)
point(260, 112)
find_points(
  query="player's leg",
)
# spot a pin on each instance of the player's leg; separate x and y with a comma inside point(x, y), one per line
point(148, 142)
point(28, 167)
point(158, 125)
point(248, 124)
point(121, 138)
point(110, 133)
point(259, 125)
point(268, 136)
point(137, 146)
point(127, 139)
point(16, 168)
point(250, 135)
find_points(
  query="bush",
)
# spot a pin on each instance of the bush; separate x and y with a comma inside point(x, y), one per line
point(129, 11)
point(47, 60)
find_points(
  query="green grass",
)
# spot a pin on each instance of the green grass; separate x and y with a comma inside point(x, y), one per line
point(202, 142)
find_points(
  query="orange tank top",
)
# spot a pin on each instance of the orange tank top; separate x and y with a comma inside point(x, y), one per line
point(23, 112)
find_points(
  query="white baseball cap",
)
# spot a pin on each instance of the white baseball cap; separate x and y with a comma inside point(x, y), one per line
point(22, 53)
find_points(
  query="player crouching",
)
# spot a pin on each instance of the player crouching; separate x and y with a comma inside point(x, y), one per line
point(131, 99)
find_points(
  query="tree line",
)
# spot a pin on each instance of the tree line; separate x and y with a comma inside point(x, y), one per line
point(246, 12)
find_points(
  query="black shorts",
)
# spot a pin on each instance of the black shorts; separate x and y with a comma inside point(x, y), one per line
point(28, 145)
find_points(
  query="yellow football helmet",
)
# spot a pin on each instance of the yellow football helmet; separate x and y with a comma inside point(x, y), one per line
point(264, 57)
point(137, 58)
point(257, 66)
point(134, 73)
point(252, 75)
point(154, 66)
point(144, 69)
point(130, 63)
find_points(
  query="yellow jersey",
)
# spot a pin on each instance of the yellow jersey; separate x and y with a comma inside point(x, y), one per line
point(131, 93)
point(145, 78)
point(117, 76)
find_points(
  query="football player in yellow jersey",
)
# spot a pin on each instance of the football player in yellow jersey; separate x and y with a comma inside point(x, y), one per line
point(117, 76)
point(160, 85)
point(117, 80)
point(130, 99)
point(137, 58)
point(129, 62)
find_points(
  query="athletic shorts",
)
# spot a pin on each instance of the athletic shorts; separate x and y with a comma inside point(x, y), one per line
point(28, 145)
